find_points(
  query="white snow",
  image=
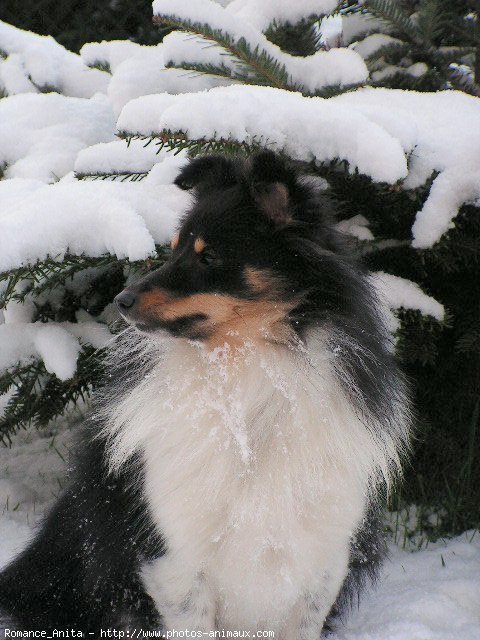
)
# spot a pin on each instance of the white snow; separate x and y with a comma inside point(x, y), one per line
point(57, 344)
point(139, 156)
point(58, 349)
point(13, 78)
point(426, 595)
point(371, 44)
point(324, 68)
point(319, 130)
point(417, 70)
point(145, 74)
point(262, 13)
point(356, 226)
point(330, 31)
point(32, 474)
point(400, 293)
point(109, 53)
point(124, 219)
point(432, 594)
point(41, 134)
point(356, 25)
point(429, 128)
point(43, 61)
point(375, 130)
point(451, 189)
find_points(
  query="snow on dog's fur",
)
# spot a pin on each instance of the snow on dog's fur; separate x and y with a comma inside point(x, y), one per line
point(257, 423)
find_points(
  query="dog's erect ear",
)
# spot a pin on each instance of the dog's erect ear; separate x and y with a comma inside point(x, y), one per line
point(207, 172)
point(272, 184)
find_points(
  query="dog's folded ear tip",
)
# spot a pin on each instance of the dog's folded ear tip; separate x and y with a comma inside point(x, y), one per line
point(206, 171)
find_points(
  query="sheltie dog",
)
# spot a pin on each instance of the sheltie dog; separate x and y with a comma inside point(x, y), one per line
point(232, 477)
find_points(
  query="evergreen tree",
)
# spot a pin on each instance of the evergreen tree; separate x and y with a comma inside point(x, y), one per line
point(251, 60)
point(427, 45)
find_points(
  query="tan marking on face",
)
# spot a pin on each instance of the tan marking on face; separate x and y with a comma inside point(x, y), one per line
point(199, 245)
point(229, 319)
point(174, 241)
point(152, 302)
point(262, 282)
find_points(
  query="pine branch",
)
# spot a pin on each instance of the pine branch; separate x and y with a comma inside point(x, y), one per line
point(335, 90)
point(392, 51)
point(300, 39)
point(222, 71)
point(51, 273)
point(463, 79)
point(39, 397)
point(446, 55)
point(432, 21)
point(348, 7)
point(257, 63)
point(178, 141)
point(119, 176)
point(418, 337)
point(101, 65)
point(391, 12)
point(46, 274)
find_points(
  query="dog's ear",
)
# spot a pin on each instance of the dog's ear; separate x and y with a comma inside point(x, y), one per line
point(272, 185)
point(207, 172)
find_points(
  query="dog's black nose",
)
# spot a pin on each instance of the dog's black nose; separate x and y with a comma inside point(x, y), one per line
point(125, 300)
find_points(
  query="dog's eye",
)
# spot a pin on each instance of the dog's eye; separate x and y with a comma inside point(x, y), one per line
point(208, 257)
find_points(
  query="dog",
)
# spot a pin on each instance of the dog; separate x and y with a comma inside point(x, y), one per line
point(233, 474)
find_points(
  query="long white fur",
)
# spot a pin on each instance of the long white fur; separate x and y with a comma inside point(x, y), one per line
point(257, 472)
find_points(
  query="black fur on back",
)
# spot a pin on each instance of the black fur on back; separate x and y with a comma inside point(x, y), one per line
point(81, 570)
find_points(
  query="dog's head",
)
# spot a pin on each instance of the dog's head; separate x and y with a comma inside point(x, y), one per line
point(238, 264)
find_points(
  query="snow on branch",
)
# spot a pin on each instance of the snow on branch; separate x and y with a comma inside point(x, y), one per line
point(388, 135)
point(401, 293)
point(140, 70)
point(450, 190)
point(90, 218)
point(440, 134)
point(109, 54)
point(262, 13)
point(246, 47)
point(57, 344)
point(42, 134)
point(304, 128)
point(136, 157)
point(37, 63)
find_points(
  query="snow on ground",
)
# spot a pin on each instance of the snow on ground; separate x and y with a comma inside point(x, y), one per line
point(431, 594)
point(32, 474)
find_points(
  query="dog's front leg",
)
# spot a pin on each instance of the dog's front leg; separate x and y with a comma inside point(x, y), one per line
point(181, 594)
point(308, 617)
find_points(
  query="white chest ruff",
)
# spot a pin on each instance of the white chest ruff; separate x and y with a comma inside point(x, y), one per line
point(257, 471)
